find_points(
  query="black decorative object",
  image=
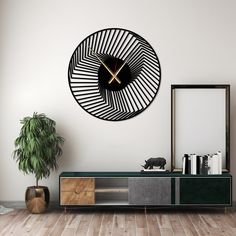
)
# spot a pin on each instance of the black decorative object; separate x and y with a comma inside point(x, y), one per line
point(158, 162)
point(114, 74)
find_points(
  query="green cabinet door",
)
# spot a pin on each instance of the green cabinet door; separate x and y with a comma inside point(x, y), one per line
point(205, 190)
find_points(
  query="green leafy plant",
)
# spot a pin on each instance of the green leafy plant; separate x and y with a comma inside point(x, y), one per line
point(38, 146)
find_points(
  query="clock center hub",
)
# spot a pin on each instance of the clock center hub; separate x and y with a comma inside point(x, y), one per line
point(121, 74)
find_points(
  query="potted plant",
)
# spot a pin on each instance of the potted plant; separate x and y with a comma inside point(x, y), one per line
point(36, 151)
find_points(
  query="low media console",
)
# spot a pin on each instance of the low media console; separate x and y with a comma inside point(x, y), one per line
point(144, 189)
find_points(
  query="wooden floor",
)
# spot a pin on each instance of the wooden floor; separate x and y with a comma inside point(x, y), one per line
point(126, 222)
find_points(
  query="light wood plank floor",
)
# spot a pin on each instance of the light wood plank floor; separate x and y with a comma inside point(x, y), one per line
point(162, 222)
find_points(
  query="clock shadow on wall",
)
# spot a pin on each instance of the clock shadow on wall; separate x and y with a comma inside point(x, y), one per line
point(114, 74)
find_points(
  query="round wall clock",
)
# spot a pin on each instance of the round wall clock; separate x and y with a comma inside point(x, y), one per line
point(114, 74)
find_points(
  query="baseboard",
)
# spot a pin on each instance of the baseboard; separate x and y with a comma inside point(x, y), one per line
point(13, 204)
point(52, 205)
point(21, 204)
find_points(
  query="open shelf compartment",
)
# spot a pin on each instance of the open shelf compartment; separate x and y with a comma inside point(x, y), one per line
point(111, 191)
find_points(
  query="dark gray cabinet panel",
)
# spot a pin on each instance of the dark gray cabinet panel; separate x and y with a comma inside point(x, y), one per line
point(150, 191)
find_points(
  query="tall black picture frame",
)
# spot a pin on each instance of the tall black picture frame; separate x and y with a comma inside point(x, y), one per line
point(178, 92)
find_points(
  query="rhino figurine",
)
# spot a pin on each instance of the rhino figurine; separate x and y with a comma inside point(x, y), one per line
point(159, 161)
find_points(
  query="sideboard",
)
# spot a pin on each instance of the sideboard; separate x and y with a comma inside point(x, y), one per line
point(144, 189)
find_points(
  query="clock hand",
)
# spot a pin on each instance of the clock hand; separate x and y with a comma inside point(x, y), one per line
point(109, 70)
point(116, 73)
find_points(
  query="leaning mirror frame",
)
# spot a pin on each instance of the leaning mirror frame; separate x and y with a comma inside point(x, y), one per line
point(174, 88)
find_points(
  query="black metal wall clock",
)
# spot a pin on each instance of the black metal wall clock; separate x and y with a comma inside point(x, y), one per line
point(114, 74)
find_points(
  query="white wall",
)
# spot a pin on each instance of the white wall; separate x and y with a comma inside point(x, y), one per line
point(194, 40)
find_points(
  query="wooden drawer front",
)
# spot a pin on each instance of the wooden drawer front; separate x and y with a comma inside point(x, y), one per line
point(73, 198)
point(77, 184)
point(77, 191)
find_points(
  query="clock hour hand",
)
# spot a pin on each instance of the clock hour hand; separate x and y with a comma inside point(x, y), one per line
point(109, 70)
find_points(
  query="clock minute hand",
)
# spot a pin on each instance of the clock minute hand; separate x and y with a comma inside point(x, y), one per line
point(109, 70)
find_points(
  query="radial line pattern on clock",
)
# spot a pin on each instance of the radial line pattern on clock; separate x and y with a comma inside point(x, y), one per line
point(127, 102)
